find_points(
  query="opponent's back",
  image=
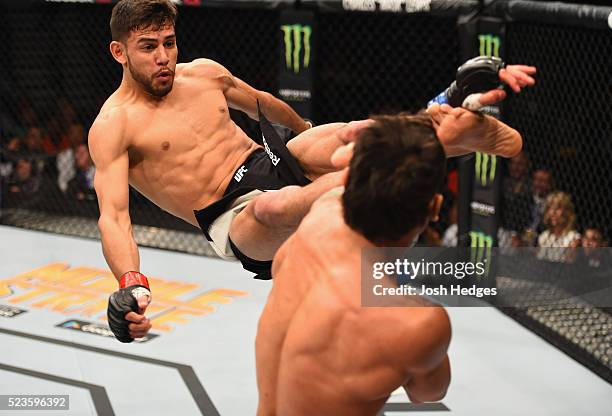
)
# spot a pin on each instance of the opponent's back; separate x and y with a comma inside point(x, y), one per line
point(341, 359)
point(335, 357)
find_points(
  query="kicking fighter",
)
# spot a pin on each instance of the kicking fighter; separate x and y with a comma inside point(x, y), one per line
point(166, 131)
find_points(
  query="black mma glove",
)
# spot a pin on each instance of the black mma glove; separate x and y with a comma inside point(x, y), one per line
point(132, 286)
point(474, 77)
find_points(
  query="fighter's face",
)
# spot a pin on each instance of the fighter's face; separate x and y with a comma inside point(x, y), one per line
point(151, 59)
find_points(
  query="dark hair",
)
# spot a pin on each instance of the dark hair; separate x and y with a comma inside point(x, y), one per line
point(398, 166)
point(131, 15)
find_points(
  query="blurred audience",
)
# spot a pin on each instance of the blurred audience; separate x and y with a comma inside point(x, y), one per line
point(22, 184)
point(55, 159)
point(541, 186)
point(65, 160)
point(10, 154)
point(517, 183)
point(559, 219)
point(587, 250)
point(81, 187)
point(55, 141)
point(516, 202)
point(449, 238)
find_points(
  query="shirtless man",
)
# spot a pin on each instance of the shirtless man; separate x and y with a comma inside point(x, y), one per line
point(167, 132)
point(318, 350)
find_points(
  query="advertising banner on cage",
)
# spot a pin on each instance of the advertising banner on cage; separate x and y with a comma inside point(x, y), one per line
point(486, 181)
point(296, 73)
point(438, 7)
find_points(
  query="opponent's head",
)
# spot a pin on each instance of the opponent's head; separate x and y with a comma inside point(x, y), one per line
point(397, 169)
point(144, 42)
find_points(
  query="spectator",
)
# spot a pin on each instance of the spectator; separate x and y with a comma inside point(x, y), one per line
point(34, 140)
point(10, 154)
point(65, 161)
point(34, 147)
point(66, 113)
point(55, 141)
point(13, 145)
point(81, 186)
point(517, 182)
point(23, 183)
point(593, 238)
point(559, 219)
point(27, 116)
point(541, 186)
point(516, 196)
point(591, 241)
point(59, 127)
point(8, 124)
point(449, 239)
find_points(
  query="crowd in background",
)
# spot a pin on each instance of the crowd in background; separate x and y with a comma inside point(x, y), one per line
point(43, 160)
point(533, 214)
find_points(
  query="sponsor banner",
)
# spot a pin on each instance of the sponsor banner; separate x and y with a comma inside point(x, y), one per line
point(97, 329)
point(486, 180)
point(408, 6)
point(524, 277)
point(447, 8)
point(295, 79)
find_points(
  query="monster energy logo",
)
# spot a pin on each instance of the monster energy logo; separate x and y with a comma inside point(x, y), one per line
point(295, 36)
point(489, 45)
point(481, 245)
point(485, 168)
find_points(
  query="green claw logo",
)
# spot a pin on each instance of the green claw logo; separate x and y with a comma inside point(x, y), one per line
point(480, 249)
point(297, 36)
point(485, 168)
point(489, 45)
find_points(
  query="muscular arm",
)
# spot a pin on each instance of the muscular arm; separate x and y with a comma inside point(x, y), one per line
point(429, 367)
point(430, 386)
point(243, 97)
point(110, 156)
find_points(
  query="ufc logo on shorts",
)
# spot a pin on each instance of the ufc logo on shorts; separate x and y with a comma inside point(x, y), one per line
point(240, 173)
point(275, 159)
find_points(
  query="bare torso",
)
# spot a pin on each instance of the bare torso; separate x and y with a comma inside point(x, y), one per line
point(317, 349)
point(184, 149)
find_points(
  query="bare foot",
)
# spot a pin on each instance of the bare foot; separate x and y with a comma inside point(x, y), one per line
point(462, 131)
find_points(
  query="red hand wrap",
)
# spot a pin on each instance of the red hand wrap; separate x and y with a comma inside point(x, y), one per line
point(133, 278)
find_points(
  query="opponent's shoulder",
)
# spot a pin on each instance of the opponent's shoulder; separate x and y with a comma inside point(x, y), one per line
point(326, 210)
point(324, 223)
point(422, 333)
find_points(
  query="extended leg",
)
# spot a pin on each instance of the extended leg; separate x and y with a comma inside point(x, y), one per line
point(267, 221)
point(314, 147)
